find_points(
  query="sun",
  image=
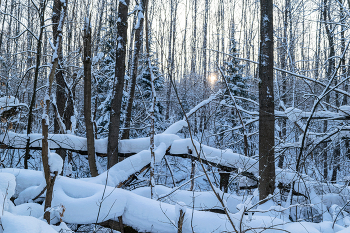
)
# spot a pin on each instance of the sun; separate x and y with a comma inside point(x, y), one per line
point(212, 78)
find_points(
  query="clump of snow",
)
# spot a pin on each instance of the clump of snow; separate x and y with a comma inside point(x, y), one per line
point(86, 202)
point(25, 178)
point(7, 190)
point(176, 127)
point(19, 224)
point(73, 142)
point(97, 58)
point(293, 114)
point(204, 200)
point(8, 102)
point(222, 157)
point(344, 110)
point(7, 185)
point(63, 228)
point(29, 209)
point(55, 162)
point(29, 193)
point(122, 170)
point(137, 145)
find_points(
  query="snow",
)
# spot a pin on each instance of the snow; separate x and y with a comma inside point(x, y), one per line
point(217, 156)
point(97, 58)
point(203, 200)
point(20, 218)
point(8, 102)
point(55, 162)
point(76, 143)
point(24, 224)
point(7, 189)
point(137, 145)
point(347, 230)
point(86, 202)
point(293, 114)
point(29, 209)
point(176, 127)
point(204, 102)
point(7, 185)
point(344, 110)
point(122, 170)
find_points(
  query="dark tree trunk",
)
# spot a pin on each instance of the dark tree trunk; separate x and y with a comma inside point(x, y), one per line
point(60, 83)
point(87, 99)
point(170, 60)
point(49, 175)
point(283, 55)
point(116, 104)
point(266, 102)
point(134, 68)
point(36, 74)
point(329, 73)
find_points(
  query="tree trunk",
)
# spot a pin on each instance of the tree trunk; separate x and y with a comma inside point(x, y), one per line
point(170, 57)
point(266, 102)
point(194, 40)
point(134, 69)
point(36, 74)
point(60, 82)
point(152, 133)
point(283, 55)
point(116, 104)
point(50, 179)
point(87, 99)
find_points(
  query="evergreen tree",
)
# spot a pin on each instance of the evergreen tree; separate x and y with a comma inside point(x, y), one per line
point(144, 82)
point(238, 85)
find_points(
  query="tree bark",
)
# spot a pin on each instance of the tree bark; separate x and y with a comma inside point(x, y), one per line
point(60, 82)
point(87, 99)
point(50, 179)
point(134, 69)
point(116, 104)
point(266, 102)
point(170, 60)
point(152, 133)
point(36, 74)
point(284, 49)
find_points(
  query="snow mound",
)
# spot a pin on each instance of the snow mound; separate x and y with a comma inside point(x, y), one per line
point(29, 209)
point(24, 224)
point(7, 185)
